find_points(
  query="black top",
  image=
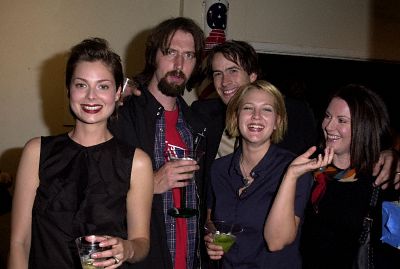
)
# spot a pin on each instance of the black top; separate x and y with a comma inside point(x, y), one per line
point(82, 191)
point(330, 237)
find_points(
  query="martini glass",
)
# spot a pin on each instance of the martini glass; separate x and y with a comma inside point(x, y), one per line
point(223, 234)
point(183, 154)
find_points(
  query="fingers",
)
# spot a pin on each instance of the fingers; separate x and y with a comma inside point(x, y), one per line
point(214, 251)
point(397, 175)
point(136, 91)
point(322, 160)
point(180, 173)
point(114, 256)
point(397, 181)
point(328, 156)
point(384, 168)
point(208, 238)
point(174, 174)
point(378, 165)
point(309, 152)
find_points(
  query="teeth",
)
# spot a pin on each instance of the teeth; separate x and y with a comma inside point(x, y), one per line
point(91, 107)
point(256, 126)
point(333, 137)
point(228, 92)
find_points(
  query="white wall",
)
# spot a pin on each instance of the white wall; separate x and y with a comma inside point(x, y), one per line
point(363, 29)
point(35, 36)
point(34, 39)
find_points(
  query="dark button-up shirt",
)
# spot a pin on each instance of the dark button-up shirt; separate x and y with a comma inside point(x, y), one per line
point(251, 208)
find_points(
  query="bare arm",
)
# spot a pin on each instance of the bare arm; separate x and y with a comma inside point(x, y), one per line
point(139, 202)
point(27, 181)
point(282, 224)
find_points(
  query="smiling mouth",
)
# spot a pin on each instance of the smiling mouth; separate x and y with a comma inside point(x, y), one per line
point(91, 108)
point(255, 127)
point(229, 91)
point(332, 137)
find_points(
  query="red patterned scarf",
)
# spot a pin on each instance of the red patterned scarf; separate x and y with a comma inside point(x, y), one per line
point(322, 177)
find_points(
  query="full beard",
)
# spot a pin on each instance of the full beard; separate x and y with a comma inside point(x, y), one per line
point(171, 88)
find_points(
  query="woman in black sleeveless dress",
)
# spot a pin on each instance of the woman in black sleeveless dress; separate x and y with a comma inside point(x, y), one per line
point(84, 182)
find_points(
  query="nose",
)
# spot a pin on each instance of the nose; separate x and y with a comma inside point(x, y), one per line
point(91, 93)
point(179, 62)
point(328, 124)
point(256, 114)
point(225, 80)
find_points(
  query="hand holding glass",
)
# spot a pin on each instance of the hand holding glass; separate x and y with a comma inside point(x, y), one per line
point(223, 233)
point(87, 245)
point(181, 154)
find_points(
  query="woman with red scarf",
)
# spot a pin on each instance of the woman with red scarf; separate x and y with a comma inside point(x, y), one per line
point(356, 127)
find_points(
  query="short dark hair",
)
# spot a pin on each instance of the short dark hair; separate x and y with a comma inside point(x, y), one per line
point(91, 50)
point(370, 125)
point(160, 38)
point(239, 52)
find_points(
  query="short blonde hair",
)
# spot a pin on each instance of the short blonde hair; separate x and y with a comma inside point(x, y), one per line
point(232, 112)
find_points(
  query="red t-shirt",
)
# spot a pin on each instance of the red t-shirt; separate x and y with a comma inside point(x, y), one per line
point(173, 139)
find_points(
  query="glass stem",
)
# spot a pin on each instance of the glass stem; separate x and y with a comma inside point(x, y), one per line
point(183, 197)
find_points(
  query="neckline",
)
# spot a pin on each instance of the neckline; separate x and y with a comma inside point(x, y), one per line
point(88, 147)
point(247, 179)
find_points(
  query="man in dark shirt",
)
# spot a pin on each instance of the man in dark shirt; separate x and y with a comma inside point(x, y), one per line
point(158, 121)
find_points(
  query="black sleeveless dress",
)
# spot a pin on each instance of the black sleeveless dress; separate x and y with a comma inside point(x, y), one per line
point(82, 191)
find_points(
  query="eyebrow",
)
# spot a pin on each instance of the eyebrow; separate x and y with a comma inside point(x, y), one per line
point(229, 68)
point(98, 81)
point(186, 51)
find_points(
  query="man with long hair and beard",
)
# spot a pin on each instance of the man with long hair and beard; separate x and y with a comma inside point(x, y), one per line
point(173, 88)
point(158, 121)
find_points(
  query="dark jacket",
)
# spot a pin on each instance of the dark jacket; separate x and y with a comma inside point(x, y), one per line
point(135, 124)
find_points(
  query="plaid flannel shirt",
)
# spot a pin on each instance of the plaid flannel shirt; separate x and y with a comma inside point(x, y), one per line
point(191, 191)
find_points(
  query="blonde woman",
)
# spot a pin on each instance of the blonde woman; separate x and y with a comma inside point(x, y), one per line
point(245, 182)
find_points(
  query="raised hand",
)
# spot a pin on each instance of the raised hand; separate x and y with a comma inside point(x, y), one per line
point(303, 164)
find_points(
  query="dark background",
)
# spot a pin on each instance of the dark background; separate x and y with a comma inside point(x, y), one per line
point(314, 79)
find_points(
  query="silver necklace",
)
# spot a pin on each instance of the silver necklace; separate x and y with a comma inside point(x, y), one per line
point(247, 179)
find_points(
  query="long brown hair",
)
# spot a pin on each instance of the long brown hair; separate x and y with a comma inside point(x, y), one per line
point(370, 126)
point(160, 38)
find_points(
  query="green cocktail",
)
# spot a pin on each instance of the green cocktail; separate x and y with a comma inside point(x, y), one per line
point(224, 240)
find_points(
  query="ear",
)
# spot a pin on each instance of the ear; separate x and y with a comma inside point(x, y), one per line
point(253, 77)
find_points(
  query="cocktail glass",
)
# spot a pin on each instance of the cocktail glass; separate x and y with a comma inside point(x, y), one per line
point(183, 154)
point(223, 233)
